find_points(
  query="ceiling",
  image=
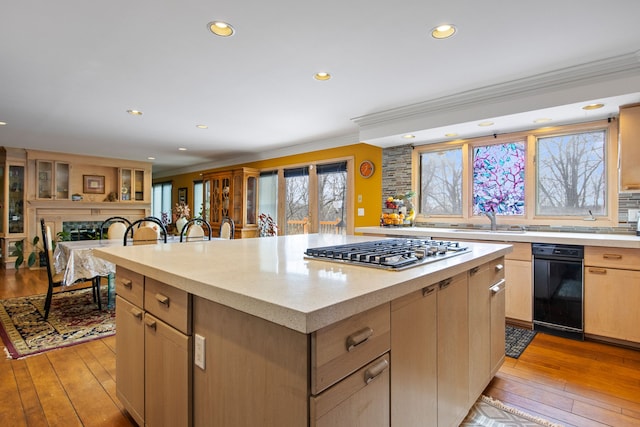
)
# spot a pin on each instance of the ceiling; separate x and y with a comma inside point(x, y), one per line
point(71, 69)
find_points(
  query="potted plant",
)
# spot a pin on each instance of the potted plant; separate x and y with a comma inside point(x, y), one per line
point(32, 252)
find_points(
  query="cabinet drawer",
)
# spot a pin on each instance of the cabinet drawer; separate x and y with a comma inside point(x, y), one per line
point(521, 251)
point(130, 286)
point(169, 304)
point(360, 399)
point(488, 274)
point(346, 346)
point(624, 258)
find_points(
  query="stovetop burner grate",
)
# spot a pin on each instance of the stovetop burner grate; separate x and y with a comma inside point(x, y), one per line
point(390, 254)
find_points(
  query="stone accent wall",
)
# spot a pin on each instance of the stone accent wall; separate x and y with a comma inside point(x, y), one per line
point(396, 179)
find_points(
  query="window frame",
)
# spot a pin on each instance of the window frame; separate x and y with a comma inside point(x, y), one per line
point(530, 139)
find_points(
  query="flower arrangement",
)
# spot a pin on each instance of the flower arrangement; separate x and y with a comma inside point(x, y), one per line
point(182, 210)
point(267, 225)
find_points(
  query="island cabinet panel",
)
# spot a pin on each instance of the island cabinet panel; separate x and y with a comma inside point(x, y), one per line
point(340, 349)
point(611, 293)
point(414, 383)
point(453, 350)
point(361, 399)
point(255, 372)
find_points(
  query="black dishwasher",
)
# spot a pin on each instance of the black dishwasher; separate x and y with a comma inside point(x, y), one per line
point(558, 289)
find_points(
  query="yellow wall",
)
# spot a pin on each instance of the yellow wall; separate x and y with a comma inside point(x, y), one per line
point(370, 189)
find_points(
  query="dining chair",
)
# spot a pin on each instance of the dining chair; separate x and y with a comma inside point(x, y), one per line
point(227, 228)
point(194, 229)
point(117, 227)
point(141, 233)
point(56, 280)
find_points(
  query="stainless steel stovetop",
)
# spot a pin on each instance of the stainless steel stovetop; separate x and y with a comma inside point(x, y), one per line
point(389, 254)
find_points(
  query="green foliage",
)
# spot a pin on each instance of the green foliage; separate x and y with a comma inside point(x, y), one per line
point(32, 252)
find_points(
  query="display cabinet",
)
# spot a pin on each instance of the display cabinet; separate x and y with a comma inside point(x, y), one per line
point(232, 194)
point(52, 180)
point(12, 201)
point(132, 184)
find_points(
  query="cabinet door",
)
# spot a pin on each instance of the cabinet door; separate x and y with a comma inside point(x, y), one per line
point(519, 290)
point(62, 180)
point(498, 293)
point(414, 386)
point(130, 358)
point(126, 181)
point(630, 148)
point(611, 303)
point(361, 399)
point(167, 375)
point(45, 179)
point(453, 351)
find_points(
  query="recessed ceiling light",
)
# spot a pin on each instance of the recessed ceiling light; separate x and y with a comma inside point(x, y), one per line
point(487, 123)
point(592, 106)
point(451, 134)
point(322, 76)
point(134, 112)
point(443, 31)
point(542, 120)
point(3, 123)
point(408, 136)
point(221, 29)
point(182, 149)
point(202, 126)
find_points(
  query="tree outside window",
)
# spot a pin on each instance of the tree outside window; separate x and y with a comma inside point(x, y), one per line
point(441, 182)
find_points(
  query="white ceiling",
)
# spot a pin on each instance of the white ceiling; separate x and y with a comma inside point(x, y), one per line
point(71, 68)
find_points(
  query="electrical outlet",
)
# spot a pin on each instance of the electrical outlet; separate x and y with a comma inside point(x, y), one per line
point(633, 215)
point(199, 355)
point(360, 211)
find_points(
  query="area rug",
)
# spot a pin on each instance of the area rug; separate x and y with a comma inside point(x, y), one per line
point(73, 319)
point(516, 340)
point(489, 412)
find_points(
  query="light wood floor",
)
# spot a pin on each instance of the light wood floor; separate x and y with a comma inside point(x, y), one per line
point(569, 382)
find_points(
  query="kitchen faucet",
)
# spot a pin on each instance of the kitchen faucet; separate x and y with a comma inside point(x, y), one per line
point(492, 217)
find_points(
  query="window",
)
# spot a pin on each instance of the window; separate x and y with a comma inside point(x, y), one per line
point(296, 201)
point(161, 199)
point(197, 200)
point(498, 178)
point(571, 174)
point(268, 194)
point(332, 188)
point(441, 182)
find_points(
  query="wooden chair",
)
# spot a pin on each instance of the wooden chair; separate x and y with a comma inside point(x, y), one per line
point(227, 228)
point(56, 279)
point(142, 234)
point(117, 227)
point(194, 230)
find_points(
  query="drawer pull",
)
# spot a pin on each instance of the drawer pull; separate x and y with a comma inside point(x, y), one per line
point(127, 283)
point(497, 287)
point(474, 270)
point(597, 270)
point(162, 299)
point(499, 267)
point(444, 283)
point(150, 323)
point(612, 256)
point(371, 373)
point(428, 290)
point(358, 338)
point(136, 313)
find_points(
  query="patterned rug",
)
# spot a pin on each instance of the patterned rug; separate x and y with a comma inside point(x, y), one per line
point(516, 340)
point(74, 318)
point(490, 412)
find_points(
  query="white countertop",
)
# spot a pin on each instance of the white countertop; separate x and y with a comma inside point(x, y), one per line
point(270, 278)
point(585, 239)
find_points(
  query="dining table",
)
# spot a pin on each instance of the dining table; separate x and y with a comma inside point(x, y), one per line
point(77, 261)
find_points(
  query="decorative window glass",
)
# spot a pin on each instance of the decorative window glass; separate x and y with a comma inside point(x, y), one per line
point(441, 182)
point(571, 174)
point(498, 178)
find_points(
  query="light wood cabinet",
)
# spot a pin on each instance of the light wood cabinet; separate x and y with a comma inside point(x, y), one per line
point(629, 147)
point(612, 292)
point(414, 383)
point(53, 180)
point(232, 194)
point(453, 350)
point(153, 361)
point(131, 184)
point(519, 289)
point(12, 204)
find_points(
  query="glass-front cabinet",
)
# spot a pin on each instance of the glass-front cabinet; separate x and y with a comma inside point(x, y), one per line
point(131, 184)
point(12, 201)
point(53, 180)
point(232, 194)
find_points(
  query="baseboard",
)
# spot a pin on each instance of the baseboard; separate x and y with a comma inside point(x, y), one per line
point(613, 341)
point(519, 323)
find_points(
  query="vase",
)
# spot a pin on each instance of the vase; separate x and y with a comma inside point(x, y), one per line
point(180, 223)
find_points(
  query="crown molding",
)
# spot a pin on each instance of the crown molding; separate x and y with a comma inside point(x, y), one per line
point(611, 68)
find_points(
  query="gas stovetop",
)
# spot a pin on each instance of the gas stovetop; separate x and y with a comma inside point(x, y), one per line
point(389, 254)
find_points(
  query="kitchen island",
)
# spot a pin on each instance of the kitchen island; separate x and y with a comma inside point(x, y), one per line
point(249, 332)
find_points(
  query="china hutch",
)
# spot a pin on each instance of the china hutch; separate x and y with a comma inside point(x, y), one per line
point(232, 194)
point(66, 190)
